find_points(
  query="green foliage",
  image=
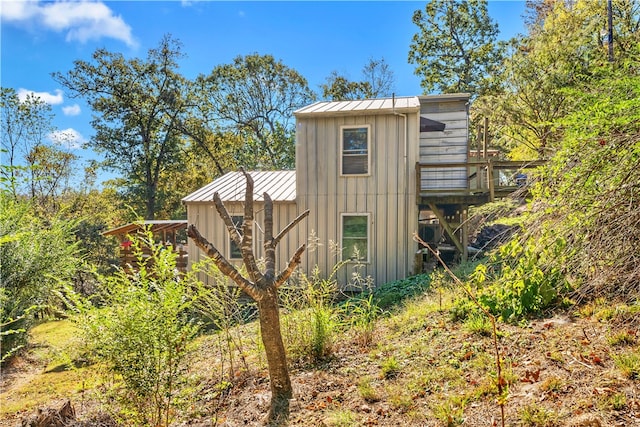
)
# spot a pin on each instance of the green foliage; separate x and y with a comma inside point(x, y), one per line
point(254, 97)
point(377, 82)
point(25, 126)
point(38, 260)
point(588, 196)
point(341, 418)
point(521, 279)
point(455, 49)
point(393, 293)
point(367, 391)
point(534, 415)
point(629, 364)
point(563, 40)
point(451, 411)
point(478, 324)
point(142, 333)
point(361, 313)
point(312, 318)
point(390, 368)
point(137, 105)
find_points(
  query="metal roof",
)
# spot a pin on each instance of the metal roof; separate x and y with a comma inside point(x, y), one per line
point(280, 185)
point(156, 226)
point(462, 96)
point(366, 106)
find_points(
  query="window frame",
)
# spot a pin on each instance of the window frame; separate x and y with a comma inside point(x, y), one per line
point(232, 244)
point(367, 215)
point(342, 149)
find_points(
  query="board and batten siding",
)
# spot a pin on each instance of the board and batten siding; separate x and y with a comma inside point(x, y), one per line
point(208, 221)
point(387, 194)
point(447, 146)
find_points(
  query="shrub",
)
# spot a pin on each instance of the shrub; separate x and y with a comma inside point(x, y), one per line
point(521, 279)
point(38, 260)
point(142, 332)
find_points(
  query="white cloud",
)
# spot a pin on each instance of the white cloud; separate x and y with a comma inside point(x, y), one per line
point(71, 110)
point(46, 97)
point(68, 138)
point(81, 20)
point(18, 10)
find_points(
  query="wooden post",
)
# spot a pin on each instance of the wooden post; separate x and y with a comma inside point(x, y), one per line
point(485, 137)
point(447, 227)
point(492, 190)
point(479, 169)
point(465, 232)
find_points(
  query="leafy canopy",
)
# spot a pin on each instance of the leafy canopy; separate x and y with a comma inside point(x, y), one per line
point(455, 48)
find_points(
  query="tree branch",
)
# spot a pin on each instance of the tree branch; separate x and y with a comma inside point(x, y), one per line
point(269, 242)
point(224, 214)
point(221, 262)
point(294, 261)
point(247, 232)
point(289, 227)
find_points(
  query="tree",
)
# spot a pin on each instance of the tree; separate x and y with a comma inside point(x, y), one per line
point(139, 104)
point(262, 287)
point(255, 97)
point(562, 51)
point(25, 126)
point(378, 81)
point(50, 170)
point(203, 161)
point(455, 49)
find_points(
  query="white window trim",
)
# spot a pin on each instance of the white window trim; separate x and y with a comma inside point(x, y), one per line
point(229, 257)
point(341, 149)
point(368, 215)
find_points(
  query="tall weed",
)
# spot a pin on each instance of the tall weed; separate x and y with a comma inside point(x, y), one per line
point(310, 321)
point(224, 308)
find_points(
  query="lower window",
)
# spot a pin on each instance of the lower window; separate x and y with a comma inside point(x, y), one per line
point(355, 237)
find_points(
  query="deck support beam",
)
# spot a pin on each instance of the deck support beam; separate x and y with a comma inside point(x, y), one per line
point(447, 228)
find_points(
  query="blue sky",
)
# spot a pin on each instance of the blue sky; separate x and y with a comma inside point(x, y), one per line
point(315, 38)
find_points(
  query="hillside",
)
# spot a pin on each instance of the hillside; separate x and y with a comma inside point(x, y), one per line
point(578, 368)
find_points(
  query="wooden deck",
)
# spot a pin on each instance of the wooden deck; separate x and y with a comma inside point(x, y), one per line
point(446, 190)
point(487, 180)
point(130, 261)
point(164, 231)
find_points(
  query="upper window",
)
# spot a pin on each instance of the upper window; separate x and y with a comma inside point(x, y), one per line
point(355, 237)
point(355, 150)
point(234, 250)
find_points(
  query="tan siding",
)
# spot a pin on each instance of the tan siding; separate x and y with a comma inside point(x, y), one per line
point(206, 218)
point(385, 195)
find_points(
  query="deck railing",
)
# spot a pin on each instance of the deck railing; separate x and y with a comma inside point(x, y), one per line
point(488, 177)
point(130, 263)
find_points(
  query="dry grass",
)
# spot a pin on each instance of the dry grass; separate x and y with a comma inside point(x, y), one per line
point(557, 370)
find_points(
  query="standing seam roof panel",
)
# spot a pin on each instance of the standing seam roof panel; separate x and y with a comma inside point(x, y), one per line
point(280, 185)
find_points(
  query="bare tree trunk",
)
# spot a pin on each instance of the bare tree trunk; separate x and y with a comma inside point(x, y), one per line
point(281, 390)
point(262, 287)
